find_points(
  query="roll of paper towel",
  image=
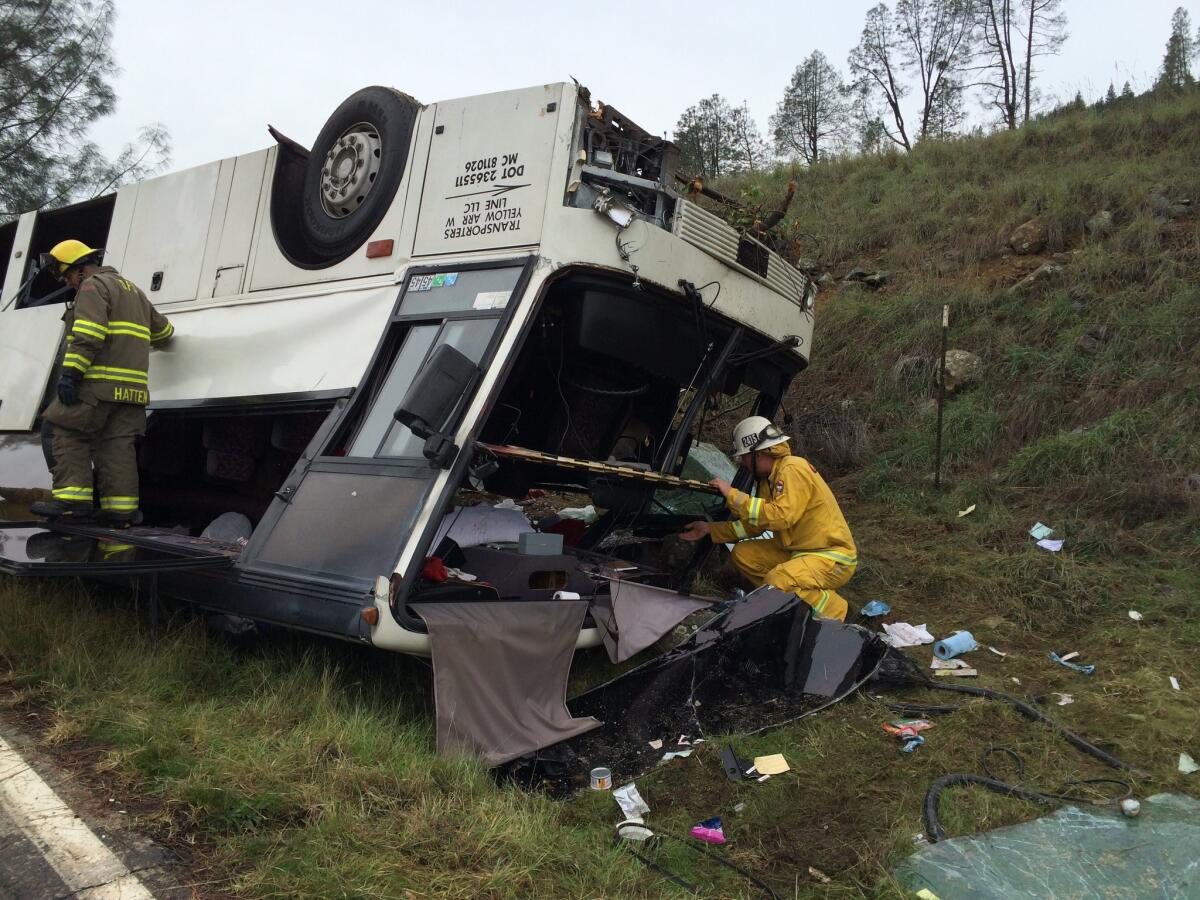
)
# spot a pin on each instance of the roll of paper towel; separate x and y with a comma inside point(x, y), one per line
point(959, 642)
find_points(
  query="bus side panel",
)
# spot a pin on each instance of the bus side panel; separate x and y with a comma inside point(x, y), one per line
point(297, 345)
point(29, 341)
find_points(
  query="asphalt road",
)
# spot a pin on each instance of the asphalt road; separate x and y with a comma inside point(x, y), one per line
point(58, 840)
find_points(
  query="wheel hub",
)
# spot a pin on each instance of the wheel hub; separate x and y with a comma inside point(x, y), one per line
point(350, 169)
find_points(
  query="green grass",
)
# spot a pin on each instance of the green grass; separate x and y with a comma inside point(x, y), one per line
point(303, 768)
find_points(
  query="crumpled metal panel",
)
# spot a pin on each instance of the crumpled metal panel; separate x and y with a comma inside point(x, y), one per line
point(762, 660)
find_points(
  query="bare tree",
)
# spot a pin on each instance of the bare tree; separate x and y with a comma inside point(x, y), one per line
point(1000, 53)
point(875, 65)
point(1015, 33)
point(937, 39)
point(1045, 31)
point(813, 112)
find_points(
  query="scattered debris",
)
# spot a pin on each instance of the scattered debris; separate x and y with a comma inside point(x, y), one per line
point(1016, 680)
point(957, 673)
point(1070, 656)
point(908, 730)
point(656, 744)
point(1062, 661)
point(1052, 545)
point(966, 512)
point(630, 801)
point(997, 652)
point(819, 875)
point(582, 513)
point(901, 634)
point(1187, 765)
point(709, 831)
point(601, 779)
point(1135, 615)
point(735, 767)
point(876, 608)
point(1175, 683)
point(939, 663)
point(1064, 699)
point(672, 754)
point(1039, 531)
point(774, 764)
point(1131, 807)
point(739, 808)
point(959, 642)
point(912, 744)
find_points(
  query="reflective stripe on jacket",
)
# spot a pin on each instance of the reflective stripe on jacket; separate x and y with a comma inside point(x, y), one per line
point(794, 503)
point(110, 330)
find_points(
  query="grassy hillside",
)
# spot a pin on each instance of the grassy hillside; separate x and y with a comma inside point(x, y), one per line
point(305, 769)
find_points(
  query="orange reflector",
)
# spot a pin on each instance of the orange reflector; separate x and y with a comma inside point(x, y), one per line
point(370, 615)
point(379, 248)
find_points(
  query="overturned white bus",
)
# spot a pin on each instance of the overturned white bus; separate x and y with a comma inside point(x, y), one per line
point(488, 294)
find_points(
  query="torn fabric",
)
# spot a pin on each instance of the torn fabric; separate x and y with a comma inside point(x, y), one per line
point(635, 616)
point(500, 675)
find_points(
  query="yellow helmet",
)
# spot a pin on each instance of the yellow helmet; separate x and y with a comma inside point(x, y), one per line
point(68, 253)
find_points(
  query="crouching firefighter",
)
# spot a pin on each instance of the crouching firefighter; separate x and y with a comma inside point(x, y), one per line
point(810, 551)
point(103, 389)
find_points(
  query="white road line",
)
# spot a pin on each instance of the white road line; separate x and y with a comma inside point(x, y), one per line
point(89, 869)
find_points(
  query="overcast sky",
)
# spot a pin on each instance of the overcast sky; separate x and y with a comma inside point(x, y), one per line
point(216, 72)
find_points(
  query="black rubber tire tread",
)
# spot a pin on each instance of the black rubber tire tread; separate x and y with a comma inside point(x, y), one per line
point(394, 114)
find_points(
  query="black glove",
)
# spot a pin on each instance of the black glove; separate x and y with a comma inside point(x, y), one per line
point(68, 386)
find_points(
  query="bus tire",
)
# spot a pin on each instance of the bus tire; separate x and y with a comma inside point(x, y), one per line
point(353, 171)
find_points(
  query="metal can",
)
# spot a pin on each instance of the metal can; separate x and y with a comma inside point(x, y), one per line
point(601, 779)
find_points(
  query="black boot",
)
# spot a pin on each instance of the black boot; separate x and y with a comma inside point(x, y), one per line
point(123, 519)
point(72, 511)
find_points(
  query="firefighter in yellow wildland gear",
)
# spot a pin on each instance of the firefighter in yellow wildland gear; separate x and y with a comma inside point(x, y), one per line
point(102, 392)
point(811, 552)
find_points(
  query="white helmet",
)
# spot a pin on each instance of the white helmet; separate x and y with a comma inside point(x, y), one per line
point(755, 433)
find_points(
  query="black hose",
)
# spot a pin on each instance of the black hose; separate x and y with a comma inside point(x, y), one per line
point(923, 709)
point(1037, 715)
point(933, 828)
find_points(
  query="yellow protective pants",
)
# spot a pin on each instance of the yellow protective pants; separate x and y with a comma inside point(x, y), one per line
point(812, 578)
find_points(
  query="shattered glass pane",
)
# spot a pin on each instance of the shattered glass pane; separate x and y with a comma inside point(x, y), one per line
point(1074, 852)
point(704, 462)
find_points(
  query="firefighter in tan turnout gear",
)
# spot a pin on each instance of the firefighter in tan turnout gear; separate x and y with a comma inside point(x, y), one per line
point(100, 407)
point(810, 552)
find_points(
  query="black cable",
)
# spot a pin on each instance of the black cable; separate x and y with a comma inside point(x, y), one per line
point(923, 709)
point(1010, 753)
point(703, 851)
point(1037, 715)
point(933, 828)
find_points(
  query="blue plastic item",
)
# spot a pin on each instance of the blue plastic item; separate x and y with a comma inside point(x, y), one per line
point(959, 642)
point(876, 608)
point(1086, 670)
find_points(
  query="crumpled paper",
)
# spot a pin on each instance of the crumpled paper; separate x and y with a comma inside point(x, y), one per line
point(901, 634)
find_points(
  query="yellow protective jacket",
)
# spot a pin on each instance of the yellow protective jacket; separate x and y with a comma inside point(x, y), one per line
point(794, 503)
point(109, 333)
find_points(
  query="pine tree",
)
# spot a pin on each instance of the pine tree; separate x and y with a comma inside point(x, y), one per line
point(55, 81)
point(1176, 72)
point(1111, 94)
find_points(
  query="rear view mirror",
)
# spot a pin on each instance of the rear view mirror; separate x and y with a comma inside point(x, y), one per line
point(439, 387)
